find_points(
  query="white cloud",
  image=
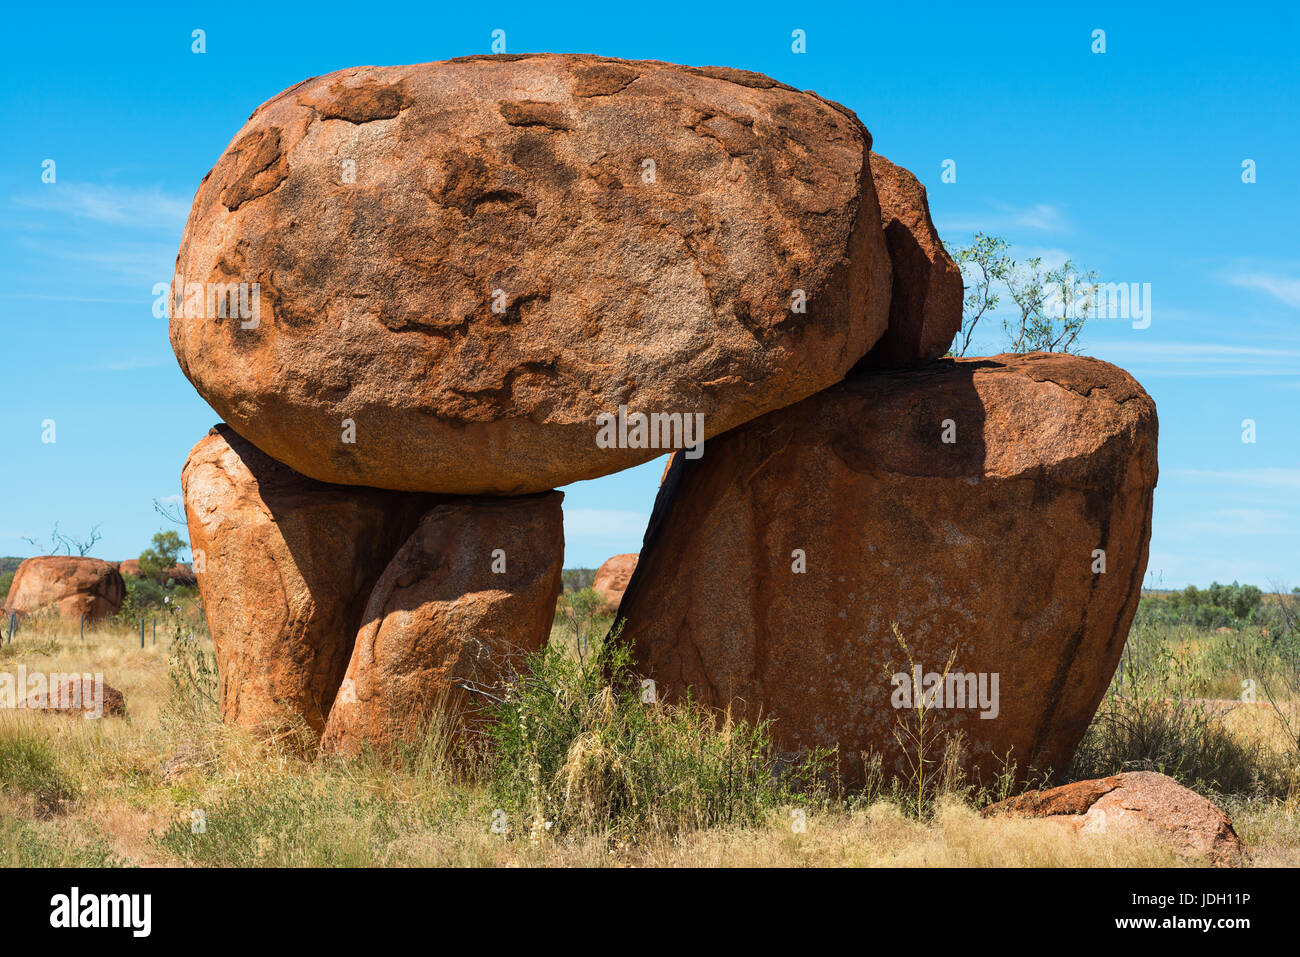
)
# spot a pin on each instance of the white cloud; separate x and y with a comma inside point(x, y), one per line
point(1163, 357)
point(603, 524)
point(1243, 521)
point(1284, 288)
point(119, 205)
point(1287, 478)
point(1041, 216)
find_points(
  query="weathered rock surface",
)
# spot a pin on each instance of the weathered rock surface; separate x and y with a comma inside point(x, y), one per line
point(65, 585)
point(925, 303)
point(457, 611)
point(1142, 803)
point(472, 260)
point(612, 578)
point(75, 695)
point(982, 547)
point(288, 565)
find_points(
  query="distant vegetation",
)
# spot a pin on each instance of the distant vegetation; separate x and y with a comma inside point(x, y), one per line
point(1219, 606)
point(1207, 691)
point(153, 589)
point(576, 579)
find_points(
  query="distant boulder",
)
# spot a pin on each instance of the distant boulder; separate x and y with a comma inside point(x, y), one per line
point(67, 586)
point(75, 695)
point(612, 578)
point(178, 574)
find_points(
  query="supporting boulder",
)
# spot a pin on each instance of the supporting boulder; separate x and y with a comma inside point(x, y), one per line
point(285, 567)
point(997, 511)
point(452, 620)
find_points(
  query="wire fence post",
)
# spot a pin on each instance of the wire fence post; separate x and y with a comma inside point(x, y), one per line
point(155, 631)
point(83, 626)
point(141, 632)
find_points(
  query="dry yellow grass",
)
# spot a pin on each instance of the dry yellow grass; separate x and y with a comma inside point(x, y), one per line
point(135, 782)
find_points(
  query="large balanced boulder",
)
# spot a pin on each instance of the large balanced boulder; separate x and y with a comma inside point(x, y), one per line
point(286, 565)
point(996, 510)
point(68, 586)
point(1144, 804)
point(452, 621)
point(452, 269)
point(612, 578)
point(925, 304)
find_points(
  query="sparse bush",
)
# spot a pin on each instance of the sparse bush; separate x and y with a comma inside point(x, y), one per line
point(583, 619)
point(1153, 718)
point(575, 748)
point(191, 673)
point(29, 767)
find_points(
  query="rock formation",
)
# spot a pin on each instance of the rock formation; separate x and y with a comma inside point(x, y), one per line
point(488, 253)
point(68, 586)
point(288, 565)
point(76, 696)
point(612, 578)
point(997, 510)
point(452, 619)
point(925, 302)
point(1144, 804)
point(410, 289)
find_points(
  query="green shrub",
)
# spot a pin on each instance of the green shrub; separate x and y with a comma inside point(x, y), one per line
point(576, 748)
point(161, 555)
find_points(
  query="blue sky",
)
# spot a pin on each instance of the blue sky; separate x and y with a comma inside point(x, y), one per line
point(1128, 162)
